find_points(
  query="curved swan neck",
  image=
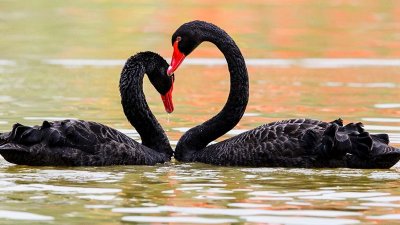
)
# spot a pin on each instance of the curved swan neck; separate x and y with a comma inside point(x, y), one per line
point(135, 105)
point(198, 137)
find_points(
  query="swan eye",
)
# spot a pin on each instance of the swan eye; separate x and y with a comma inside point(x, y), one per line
point(178, 39)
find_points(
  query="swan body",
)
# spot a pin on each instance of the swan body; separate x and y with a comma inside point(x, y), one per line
point(75, 143)
point(303, 143)
point(289, 143)
point(86, 143)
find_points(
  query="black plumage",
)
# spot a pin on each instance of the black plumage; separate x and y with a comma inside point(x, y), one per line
point(85, 143)
point(289, 143)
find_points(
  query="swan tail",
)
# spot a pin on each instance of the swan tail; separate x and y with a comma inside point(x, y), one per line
point(66, 133)
point(35, 146)
point(359, 147)
point(24, 135)
point(15, 145)
point(311, 139)
point(337, 141)
point(384, 156)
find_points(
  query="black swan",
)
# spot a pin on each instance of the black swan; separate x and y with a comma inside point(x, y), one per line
point(289, 143)
point(85, 143)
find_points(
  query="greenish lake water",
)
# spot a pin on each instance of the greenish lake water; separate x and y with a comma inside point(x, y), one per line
point(305, 59)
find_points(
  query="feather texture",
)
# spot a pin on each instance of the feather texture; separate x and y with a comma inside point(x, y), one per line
point(287, 143)
point(85, 143)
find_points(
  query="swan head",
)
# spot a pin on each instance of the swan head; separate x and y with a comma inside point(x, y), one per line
point(185, 39)
point(156, 70)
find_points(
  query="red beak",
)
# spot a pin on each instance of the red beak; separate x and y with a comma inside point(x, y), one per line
point(167, 100)
point(177, 59)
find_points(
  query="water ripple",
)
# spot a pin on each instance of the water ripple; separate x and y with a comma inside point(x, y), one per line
point(360, 85)
point(80, 176)
point(382, 128)
point(382, 120)
point(298, 220)
point(15, 215)
point(235, 212)
point(385, 217)
point(387, 105)
point(5, 62)
point(58, 189)
point(175, 219)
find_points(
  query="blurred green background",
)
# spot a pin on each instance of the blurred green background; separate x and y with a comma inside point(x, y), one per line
point(277, 29)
